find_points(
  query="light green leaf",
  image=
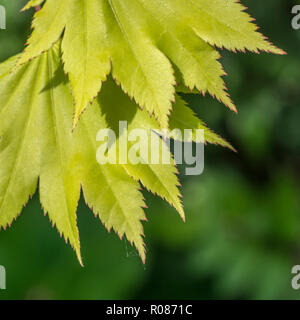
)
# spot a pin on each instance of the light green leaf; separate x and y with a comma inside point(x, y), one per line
point(36, 142)
point(160, 179)
point(48, 24)
point(138, 65)
point(36, 102)
point(86, 60)
point(196, 60)
point(139, 37)
point(18, 170)
point(59, 174)
point(106, 187)
point(224, 24)
point(145, 45)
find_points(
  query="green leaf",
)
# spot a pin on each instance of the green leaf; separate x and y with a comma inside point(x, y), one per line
point(106, 187)
point(86, 59)
point(196, 60)
point(48, 24)
point(145, 45)
point(35, 142)
point(138, 65)
point(145, 42)
point(160, 179)
point(18, 179)
point(224, 24)
point(45, 148)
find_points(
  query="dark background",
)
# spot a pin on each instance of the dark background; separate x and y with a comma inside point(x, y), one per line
point(242, 234)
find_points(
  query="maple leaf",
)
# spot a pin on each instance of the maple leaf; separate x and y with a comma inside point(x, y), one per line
point(145, 41)
point(36, 103)
point(145, 46)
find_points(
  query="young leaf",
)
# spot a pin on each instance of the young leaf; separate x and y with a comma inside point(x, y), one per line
point(35, 143)
point(196, 60)
point(142, 38)
point(160, 179)
point(86, 59)
point(48, 24)
point(106, 187)
point(224, 24)
point(18, 171)
point(145, 45)
point(46, 148)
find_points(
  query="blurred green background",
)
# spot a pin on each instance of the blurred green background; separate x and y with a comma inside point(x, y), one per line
point(242, 234)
